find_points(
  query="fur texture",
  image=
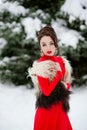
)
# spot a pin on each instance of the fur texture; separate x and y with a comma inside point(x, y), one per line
point(60, 93)
point(68, 68)
point(37, 70)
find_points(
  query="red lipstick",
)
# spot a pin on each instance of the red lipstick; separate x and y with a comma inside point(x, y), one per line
point(49, 52)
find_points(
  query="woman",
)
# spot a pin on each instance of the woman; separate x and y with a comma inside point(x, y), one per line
point(51, 75)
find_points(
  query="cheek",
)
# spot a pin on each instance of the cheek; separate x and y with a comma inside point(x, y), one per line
point(43, 49)
point(54, 48)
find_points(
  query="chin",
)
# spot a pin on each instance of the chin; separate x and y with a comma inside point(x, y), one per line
point(49, 54)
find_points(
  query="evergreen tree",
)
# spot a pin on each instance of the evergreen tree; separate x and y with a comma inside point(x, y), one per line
point(18, 53)
point(48, 6)
point(77, 55)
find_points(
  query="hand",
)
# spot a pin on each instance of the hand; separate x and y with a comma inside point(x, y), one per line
point(52, 69)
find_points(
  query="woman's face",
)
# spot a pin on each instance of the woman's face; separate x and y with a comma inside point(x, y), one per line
point(47, 46)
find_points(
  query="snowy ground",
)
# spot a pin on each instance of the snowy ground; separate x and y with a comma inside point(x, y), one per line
point(17, 108)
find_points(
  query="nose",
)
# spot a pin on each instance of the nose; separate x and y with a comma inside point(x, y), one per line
point(48, 47)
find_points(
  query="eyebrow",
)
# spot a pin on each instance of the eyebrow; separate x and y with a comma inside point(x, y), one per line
point(43, 42)
point(49, 42)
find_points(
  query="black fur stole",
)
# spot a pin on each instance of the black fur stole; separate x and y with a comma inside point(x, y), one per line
point(60, 93)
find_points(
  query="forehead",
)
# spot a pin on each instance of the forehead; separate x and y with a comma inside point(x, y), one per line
point(46, 38)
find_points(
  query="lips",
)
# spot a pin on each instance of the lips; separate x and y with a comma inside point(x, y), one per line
point(49, 52)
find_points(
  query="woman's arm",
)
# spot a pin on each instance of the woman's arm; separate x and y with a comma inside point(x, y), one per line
point(46, 86)
point(68, 86)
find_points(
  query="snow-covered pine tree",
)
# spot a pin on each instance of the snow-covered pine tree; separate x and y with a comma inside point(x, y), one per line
point(76, 21)
point(48, 6)
point(18, 48)
point(18, 44)
point(16, 52)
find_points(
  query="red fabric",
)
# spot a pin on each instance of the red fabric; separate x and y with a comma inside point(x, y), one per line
point(55, 117)
point(68, 85)
point(49, 86)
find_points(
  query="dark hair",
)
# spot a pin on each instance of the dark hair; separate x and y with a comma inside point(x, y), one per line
point(48, 31)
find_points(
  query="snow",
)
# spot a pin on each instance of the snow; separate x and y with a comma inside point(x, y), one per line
point(3, 42)
point(75, 9)
point(12, 7)
point(17, 108)
point(78, 113)
point(17, 104)
point(1, 1)
point(5, 60)
point(31, 26)
point(66, 36)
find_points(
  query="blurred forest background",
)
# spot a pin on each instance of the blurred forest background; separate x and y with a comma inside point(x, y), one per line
point(18, 49)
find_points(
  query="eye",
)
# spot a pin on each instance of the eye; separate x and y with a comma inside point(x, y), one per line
point(52, 43)
point(43, 44)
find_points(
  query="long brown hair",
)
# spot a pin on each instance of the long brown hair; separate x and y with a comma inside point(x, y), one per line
point(48, 31)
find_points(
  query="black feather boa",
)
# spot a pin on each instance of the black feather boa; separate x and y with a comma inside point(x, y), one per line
point(60, 93)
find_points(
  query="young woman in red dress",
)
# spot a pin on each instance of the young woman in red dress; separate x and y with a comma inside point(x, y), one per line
point(51, 75)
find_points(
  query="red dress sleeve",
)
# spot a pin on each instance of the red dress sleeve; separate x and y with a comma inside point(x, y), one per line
point(68, 85)
point(46, 86)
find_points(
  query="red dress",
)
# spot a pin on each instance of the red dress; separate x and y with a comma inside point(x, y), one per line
point(54, 118)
